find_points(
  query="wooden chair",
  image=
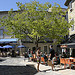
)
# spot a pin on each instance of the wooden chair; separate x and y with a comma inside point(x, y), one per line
point(74, 63)
point(62, 61)
point(68, 61)
point(43, 60)
point(55, 60)
point(34, 57)
point(72, 59)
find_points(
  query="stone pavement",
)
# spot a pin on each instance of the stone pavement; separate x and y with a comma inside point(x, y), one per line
point(15, 66)
point(21, 66)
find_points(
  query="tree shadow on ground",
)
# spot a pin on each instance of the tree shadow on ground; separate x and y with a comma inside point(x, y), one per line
point(2, 60)
point(17, 70)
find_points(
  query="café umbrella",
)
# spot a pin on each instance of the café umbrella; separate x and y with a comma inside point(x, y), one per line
point(1, 47)
point(21, 46)
point(8, 46)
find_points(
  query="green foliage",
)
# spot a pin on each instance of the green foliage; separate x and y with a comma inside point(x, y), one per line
point(34, 21)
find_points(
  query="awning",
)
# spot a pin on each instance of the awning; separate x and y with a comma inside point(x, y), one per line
point(8, 40)
point(68, 45)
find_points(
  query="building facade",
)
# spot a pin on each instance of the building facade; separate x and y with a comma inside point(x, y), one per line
point(71, 15)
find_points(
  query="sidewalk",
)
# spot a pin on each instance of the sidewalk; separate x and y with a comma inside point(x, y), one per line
point(24, 67)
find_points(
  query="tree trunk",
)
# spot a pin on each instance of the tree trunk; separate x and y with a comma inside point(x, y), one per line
point(36, 44)
point(20, 48)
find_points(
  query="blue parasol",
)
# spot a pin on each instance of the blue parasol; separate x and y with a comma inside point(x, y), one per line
point(8, 46)
point(21, 46)
point(1, 47)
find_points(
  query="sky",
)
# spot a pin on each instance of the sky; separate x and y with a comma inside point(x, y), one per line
point(6, 5)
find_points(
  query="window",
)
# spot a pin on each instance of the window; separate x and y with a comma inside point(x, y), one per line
point(45, 48)
point(70, 6)
point(72, 28)
point(1, 33)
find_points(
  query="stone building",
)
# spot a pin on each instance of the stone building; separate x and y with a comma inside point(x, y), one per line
point(70, 44)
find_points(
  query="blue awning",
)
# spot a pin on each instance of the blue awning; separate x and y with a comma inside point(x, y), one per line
point(8, 40)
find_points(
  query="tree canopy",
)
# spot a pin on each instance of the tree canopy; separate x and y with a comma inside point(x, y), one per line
point(34, 20)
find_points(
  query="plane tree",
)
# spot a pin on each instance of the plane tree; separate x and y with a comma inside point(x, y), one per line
point(37, 22)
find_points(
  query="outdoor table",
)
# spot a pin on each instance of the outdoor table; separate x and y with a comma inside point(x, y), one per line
point(72, 59)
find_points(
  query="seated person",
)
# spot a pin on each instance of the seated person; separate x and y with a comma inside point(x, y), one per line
point(64, 55)
point(42, 55)
point(30, 55)
point(46, 57)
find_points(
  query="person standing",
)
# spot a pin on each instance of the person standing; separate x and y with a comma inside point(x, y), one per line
point(38, 58)
point(52, 55)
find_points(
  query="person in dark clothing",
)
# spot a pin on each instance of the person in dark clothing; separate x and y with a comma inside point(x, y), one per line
point(13, 53)
point(46, 57)
point(52, 55)
point(64, 55)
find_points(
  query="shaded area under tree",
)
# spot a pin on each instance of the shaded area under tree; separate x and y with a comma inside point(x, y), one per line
point(17, 70)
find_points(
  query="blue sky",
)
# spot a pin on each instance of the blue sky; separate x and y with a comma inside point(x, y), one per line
point(6, 5)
